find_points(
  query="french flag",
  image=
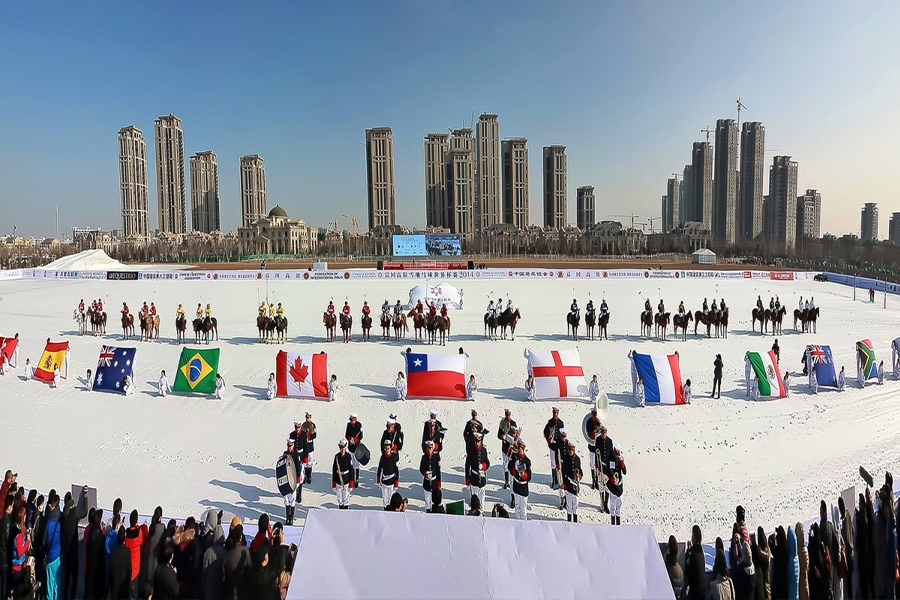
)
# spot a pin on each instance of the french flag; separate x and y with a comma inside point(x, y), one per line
point(436, 376)
point(662, 378)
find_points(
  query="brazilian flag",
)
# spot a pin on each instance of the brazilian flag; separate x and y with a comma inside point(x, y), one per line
point(197, 371)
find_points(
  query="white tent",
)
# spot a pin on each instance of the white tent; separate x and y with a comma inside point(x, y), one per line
point(703, 256)
point(377, 554)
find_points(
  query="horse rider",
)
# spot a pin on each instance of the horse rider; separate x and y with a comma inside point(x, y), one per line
point(279, 313)
point(490, 309)
point(94, 305)
point(125, 310)
point(385, 308)
point(604, 308)
point(153, 310)
point(647, 306)
point(398, 309)
point(365, 309)
point(346, 310)
point(721, 304)
point(759, 304)
point(573, 309)
point(207, 314)
point(509, 305)
point(800, 307)
point(330, 309)
point(777, 303)
point(771, 303)
point(271, 310)
point(705, 307)
point(661, 307)
point(81, 306)
point(432, 309)
point(179, 313)
point(444, 310)
point(262, 309)
point(498, 308)
point(420, 308)
point(806, 306)
point(714, 307)
point(589, 309)
point(199, 311)
point(145, 310)
point(99, 305)
point(681, 308)
point(812, 303)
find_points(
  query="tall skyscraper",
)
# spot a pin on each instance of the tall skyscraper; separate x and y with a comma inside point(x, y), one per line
point(380, 172)
point(488, 210)
point(436, 147)
point(133, 182)
point(686, 210)
point(809, 215)
point(701, 184)
point(555, 185)
point(781, 207)
point(671, 216)
point(869, 222)
point(515, 182)
point(253, 189)
point(585, 215)
point(170, 174)
point(460, 177)
point(725, 182)
point(894, 228)
point(205, 192)
point(750, 201)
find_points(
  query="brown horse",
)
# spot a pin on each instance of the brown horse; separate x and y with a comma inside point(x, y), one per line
point(509, 319)
point(127, 325)
point(708, 319)
point(443, 327)
point(180, 328)
point(366, 323)
point(777, 317)
point(807, 319)
point(763, 317)
point(385, 321)
point(722, 324)
point(98, 322)
point(491, 323)
point(573, 321)
point(330, 322)
point(418, 323)
point(265, 326)
point(681, 322)
point(400, 327)
point(281, 326)
point(603, 322)
point(204, 327)
point(346, 326)
point(646, 323)
point(662, 324)
point(149, 327)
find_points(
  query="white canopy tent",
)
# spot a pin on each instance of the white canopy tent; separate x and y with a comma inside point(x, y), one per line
point(703, 256)
point(375, 554)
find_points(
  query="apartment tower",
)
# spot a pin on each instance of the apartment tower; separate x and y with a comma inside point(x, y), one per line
point(380, 175)
point(205, 192)
point(488, 210)
point(809, 215)
point(515, 182)
point(555, 185)
point(725, 182)
point(869, 222)
point(585, 214)
point(701, 183)
point(253, 189)
point(133, 182)
point(671, 216)
point(750, 199)
point(460, 176)
point(781, 208)
point(170, 183)
point(436, 147)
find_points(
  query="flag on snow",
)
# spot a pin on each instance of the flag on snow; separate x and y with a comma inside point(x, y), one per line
point(820, 357)
point(301, 375)
point(197, 371)
point(662, 378)
point(113, 366)
point(895, 354)
point(557, 374)
point(436, 375)
point(765, 366)
point(865, 359)
point(9, 350)
point(55, 355)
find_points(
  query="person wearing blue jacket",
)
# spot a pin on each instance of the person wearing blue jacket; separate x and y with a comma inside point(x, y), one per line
point(793, 566)
point(112, 540)
point(53, 534)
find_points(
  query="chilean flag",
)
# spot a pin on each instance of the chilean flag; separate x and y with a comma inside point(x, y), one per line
point(301, 375)
point(662, 378)
point(436, 376)
point(557, 374)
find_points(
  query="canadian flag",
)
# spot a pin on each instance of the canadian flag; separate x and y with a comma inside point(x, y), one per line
point(301, 375)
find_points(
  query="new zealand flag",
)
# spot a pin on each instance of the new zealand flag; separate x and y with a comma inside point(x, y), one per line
point(112, 368)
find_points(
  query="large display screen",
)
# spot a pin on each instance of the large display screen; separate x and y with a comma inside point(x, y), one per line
point(430, 244)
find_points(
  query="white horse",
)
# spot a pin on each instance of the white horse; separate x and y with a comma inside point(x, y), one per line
point(81, 320)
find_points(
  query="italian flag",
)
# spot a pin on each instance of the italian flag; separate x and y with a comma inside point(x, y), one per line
point(765, 366)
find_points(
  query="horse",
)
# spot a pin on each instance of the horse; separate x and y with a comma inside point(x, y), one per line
point(346, 326)
point(180, 328)
point(330, 322)
point(98, 322)
point(646, 323)
point(443, 327)
point(681, 322)
point(491, 323)
point(590, 321)
point(418, 323)
point(708, 319)
point(573, 322)
point(602, 323)
point(763, 317)
point(366, 323)
point(509, 318)
point(722, 324)
point(776, 317)
point(431, 329)
point(281, 325)
point(203, 327)
point(807, 318)
point(265, 326)
point(149, 327)
point(127, 325)
point(81, 320)
point(385, 321)
point(662, 323)
point(400, 327)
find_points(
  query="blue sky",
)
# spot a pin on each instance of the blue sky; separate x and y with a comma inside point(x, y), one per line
point(626, 86)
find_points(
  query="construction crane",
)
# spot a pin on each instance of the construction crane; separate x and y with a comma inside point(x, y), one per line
point(651, 219)
point(707, 131)
point(354, 224)
point(740, 105)
point(632, 216)
point(677, 175)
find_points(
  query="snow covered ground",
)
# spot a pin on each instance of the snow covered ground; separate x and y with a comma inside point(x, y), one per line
point(686, 464)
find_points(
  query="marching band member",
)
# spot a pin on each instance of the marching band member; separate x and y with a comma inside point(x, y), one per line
point(520, 468)
point(430, 469)
point(572, 474)
point(342, 480)
point(388, 473)
point(353, 433)
point(477, 465)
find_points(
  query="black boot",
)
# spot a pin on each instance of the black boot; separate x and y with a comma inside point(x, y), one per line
point(512, 500)
point(506, 480)
point(568, 517)
point(357, 478)
point(594, 485)
point(605, 507)
point(618, 520)
point(307, 475)
point(574, 518)
point(554, 483)
point(299, 494)
point(287, 515)
point(612, 520)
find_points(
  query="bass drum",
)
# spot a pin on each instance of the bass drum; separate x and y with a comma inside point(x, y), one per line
point(362, 454)
point(286, 475)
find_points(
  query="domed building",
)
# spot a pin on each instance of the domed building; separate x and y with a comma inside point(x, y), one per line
point(277, 233)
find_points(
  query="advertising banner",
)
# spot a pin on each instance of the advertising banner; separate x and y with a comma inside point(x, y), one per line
point(430, 244)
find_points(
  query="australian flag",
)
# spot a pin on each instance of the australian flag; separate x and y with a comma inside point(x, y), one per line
point(821, 360)
point(112, 368)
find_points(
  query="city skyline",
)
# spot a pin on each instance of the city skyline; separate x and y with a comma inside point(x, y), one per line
point(70, 88)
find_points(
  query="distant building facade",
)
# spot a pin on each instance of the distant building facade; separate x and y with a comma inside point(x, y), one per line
point(253, 189)
point(725, 182)
point(380, 176)
point(809, 215)
point(869, 222)
point(170, 175)
point(671, 214)
point(515, 182)
point(555, 186)
point(585, 214)
point(133, 193)
point(701, 184)
point(750, 194)
point(781, 212)
point(205, 192)
point(460, 178)
point(436, 147)
point(277, 233)
point(488, 208)
point(894, 228)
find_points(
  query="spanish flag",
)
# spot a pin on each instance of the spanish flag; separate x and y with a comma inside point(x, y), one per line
point(54, 356)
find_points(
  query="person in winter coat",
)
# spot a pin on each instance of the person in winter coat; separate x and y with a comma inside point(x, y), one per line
point(870, 542)
point(848, 542)
point(778, 547)
point(814, 573)
point(676, 575)
point(793, 569)
point(165, 581)
point(742, 572)
point(695, 568)
point(762, 559)
point(717, 376)
point(71, 516)
point(721, 588)
point(237, 562)
point(6, 537)
point(135, 537)
point(885, 556)
point(52, 534)
point(213, 568)
point(152, 548)
point(261, 582)
point(95, 559)
point(803, 563)
point(21, 547)
point(188, 556)
point(120, 575)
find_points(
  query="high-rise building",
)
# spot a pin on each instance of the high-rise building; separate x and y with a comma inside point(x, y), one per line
point(809, 215)
point(686, 209)
point(869, 222)
point(555, 185)
point(750, 200)
point(725, 182)
point(701, 183)
point(516, 204)
point(436, 147)
point(671, 216)
point(380, 174)
point(781, 207)
point(585, 214)
point(133, 182)
point(253, 189)
point(170, 175)
point(488, 210)
point(894, 228)
point(205, 192)
point(460, 177)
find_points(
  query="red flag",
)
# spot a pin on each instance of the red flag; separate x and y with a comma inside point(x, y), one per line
point(301, 375)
